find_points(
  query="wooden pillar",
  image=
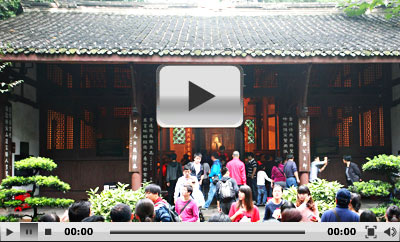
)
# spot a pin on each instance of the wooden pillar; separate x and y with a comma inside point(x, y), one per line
point(265, 142)
point(135, 136)
point(304, 129)
point(2, 138)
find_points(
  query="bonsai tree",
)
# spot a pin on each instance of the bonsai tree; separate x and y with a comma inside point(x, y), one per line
point(34, 165)
point(387, 165)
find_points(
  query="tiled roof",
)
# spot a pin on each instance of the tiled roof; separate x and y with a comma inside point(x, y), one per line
point(77, 33)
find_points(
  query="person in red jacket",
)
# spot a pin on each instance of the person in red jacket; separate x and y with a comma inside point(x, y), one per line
point(237, 169)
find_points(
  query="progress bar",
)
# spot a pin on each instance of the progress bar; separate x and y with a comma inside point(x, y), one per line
point(152, 232)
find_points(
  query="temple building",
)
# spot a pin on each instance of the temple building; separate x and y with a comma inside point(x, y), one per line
point(316, 82)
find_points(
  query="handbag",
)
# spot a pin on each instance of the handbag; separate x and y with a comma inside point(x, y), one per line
point(215, 179)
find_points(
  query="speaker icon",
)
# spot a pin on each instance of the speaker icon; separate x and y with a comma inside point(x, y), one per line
point(391, 231)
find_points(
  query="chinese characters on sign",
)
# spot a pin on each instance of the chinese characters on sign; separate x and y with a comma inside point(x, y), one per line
point(8, 140)
point(135, 156)
point(288, 135)
point(304, 144)
point(149, 147)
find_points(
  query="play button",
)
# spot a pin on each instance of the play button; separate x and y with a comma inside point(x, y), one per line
point(8, 232)
point(199, 96)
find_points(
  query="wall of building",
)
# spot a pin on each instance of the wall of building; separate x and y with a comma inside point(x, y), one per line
point(395, 110)
point(25, 118)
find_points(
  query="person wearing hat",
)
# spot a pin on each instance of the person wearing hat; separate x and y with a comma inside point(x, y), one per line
point(341, 213)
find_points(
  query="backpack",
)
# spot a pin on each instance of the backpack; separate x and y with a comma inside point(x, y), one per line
point(226, 190)
point(171, 210)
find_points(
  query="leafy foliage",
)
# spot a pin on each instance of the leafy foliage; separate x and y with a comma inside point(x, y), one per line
point(107, 199)
point(10, 203)
point(41, 181)
point(9, 8)
point(383, 164)
point(8, 193)
point(322, 191)
point(379, 212)
point(357, 8)
point(48, 202)
point(7, 86)
point(372, 188)
point(38, 163)
point(9, 218)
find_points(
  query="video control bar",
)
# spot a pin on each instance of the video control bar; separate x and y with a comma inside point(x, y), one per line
point(201, 231)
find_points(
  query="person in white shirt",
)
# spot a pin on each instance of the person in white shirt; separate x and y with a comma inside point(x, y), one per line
point(262, 190)
point(184, 180)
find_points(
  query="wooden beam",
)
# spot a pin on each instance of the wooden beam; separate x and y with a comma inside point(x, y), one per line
point(26, 79)
point(24, 100)
point(156, 59)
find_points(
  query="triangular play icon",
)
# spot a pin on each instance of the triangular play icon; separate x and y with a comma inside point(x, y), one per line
point(8, 232)
point(198, 96)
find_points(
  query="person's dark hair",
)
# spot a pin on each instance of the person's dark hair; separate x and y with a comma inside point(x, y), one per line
point(278, 160)
point(220, 217)
point(250, 154)
point(173, 156)
point(347, 157)
point(145, 210)
point(287, 205)
point(189, 189)
point(78, 211)
point(186, 156)
point(121, 213)
point(215, 155)
point(187, 167)
point(94, 218)
point(355, 201)
point(393, 214)
point(315, 157)
point(289, 156)
point(222, 157)
point(224, 170)
point(277, 186)
point(198, 154)
point(248, 198)
point(49, 218)
point(221, 148)
point(303, 189)
point(153, 188)
point(291, 215)
point(368, 216)
point(261, 168)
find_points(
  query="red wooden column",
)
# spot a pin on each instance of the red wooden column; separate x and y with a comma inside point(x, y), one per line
point(304, 149)
point(135, 137)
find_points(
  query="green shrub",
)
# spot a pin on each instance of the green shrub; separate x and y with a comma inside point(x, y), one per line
point(379, 212)
point(9, 193)
point(38, 163)
point(9, 218)
point(40, 181)
point(383, 164)
point(9, 8)
point(103, 203)
point(371, 188)
point(322, 191)
point(48, 202)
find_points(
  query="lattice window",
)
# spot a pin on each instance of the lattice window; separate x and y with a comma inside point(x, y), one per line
point(179, 136)
point(344, 122)
point(88, 134)
point(250, 128)
point(93, 76)
point(314, 111)
point(370, 75)
point(372, 127)
point(69, 80)
point(122, 112)
point(342, 78)
point(122, 77)
point(265, 78)
point(60, 131)
point(55, 74)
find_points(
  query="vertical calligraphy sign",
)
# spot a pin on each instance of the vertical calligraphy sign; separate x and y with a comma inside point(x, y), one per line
point(135, 141)
point(288, 134)
point(149, 146)
point(304, 144)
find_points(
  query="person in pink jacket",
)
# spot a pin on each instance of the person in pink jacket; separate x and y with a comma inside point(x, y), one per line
point(237, 169)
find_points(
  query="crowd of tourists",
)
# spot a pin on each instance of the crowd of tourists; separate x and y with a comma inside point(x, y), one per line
point(234, 185)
